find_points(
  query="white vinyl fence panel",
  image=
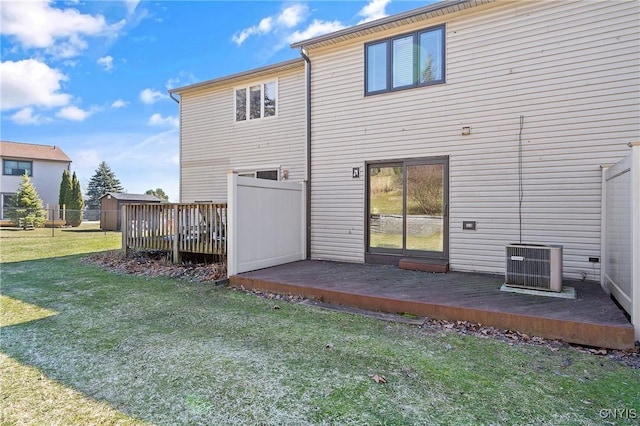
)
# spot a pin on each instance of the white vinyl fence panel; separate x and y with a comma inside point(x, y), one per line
point(621, 233)
point(266, 223)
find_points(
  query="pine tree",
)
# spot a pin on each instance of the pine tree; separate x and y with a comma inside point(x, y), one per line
point(103, 181)
point(64, 196)
point(76, 203)
point(26, 205)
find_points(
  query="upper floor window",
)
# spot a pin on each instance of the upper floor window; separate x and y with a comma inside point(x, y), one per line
point(17, 168)
point(409, 60)
point(256, 101)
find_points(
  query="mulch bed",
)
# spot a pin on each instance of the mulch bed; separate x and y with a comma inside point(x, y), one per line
point(156, 263)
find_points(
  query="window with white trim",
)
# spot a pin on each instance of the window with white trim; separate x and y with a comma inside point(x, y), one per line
point(406, 61)
point(256, 101)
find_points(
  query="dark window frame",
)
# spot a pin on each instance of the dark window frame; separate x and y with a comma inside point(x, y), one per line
point(4, 167)
point(266, 173)
point(388, 42)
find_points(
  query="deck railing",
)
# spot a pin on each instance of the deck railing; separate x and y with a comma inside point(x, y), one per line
point(176, 228)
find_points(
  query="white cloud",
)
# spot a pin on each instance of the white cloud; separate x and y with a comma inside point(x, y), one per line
point(131, 5)
point(184, 78)
point(127, 154)
point(89, 157)
point(36, 24)
point(158, 120)
point(31, 83)
point(375, 9)
point(263, 27)
point(73, 113)
point(25, 117)
point(119, 103)
point(150, 96)
point(106, 62)
point(316, 28)
point(287, 18)
point(292, 15)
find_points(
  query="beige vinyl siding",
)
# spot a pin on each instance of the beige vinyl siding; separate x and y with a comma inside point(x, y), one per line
point(570, 68)
point(212, 142)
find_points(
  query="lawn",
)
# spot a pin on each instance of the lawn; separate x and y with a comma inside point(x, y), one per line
point(17, 244)
point(84, 346)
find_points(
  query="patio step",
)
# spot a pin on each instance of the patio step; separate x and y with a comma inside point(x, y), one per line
point(424, 265)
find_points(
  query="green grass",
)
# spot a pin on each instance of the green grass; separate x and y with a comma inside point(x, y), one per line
point(84, 346)
point(17, 244)
point(387, 203)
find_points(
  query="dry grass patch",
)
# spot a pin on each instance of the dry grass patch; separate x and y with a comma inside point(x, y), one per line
point(29, 397)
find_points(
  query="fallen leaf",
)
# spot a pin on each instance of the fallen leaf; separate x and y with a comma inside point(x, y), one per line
point(379, 379)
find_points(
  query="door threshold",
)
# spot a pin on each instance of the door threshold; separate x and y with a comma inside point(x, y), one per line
point(424, 265)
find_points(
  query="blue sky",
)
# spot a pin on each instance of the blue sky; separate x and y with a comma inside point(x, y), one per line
point(92, 76)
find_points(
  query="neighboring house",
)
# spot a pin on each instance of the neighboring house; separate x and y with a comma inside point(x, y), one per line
point(443, 133)
point(43, 163)
point(251, 122)
point(111, 207)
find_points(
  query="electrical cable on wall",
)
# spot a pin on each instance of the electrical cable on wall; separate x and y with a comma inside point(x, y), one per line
point(520, 187)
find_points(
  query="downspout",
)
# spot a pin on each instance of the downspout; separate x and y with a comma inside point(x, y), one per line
point(308, 196)
point(179, 145)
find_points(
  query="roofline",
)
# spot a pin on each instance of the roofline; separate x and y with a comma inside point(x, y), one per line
point(371, 26)
point(280, 66)
point(54, 147)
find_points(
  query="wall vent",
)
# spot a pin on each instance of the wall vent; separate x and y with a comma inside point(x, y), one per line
point(534, 266)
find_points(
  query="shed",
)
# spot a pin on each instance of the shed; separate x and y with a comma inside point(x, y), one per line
point(111, 207)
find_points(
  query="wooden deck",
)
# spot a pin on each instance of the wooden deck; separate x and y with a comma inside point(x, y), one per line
point(591, 319)
point(175, 228)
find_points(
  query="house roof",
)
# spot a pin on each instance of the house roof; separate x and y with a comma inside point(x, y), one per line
point(254, 73)
point(32, 151)
point(416, 15)
point(132, 197)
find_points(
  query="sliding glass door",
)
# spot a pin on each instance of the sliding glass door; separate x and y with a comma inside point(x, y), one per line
point(407, 207)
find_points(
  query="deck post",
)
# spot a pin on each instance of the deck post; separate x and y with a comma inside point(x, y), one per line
point(176, 235)
point(124, 227)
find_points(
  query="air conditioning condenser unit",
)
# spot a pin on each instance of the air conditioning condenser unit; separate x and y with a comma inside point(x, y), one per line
point(534, 266)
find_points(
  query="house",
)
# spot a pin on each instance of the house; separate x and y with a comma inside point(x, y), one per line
point(43, 163)
point(439, 135)
point(111, 207)
point(251, 122)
